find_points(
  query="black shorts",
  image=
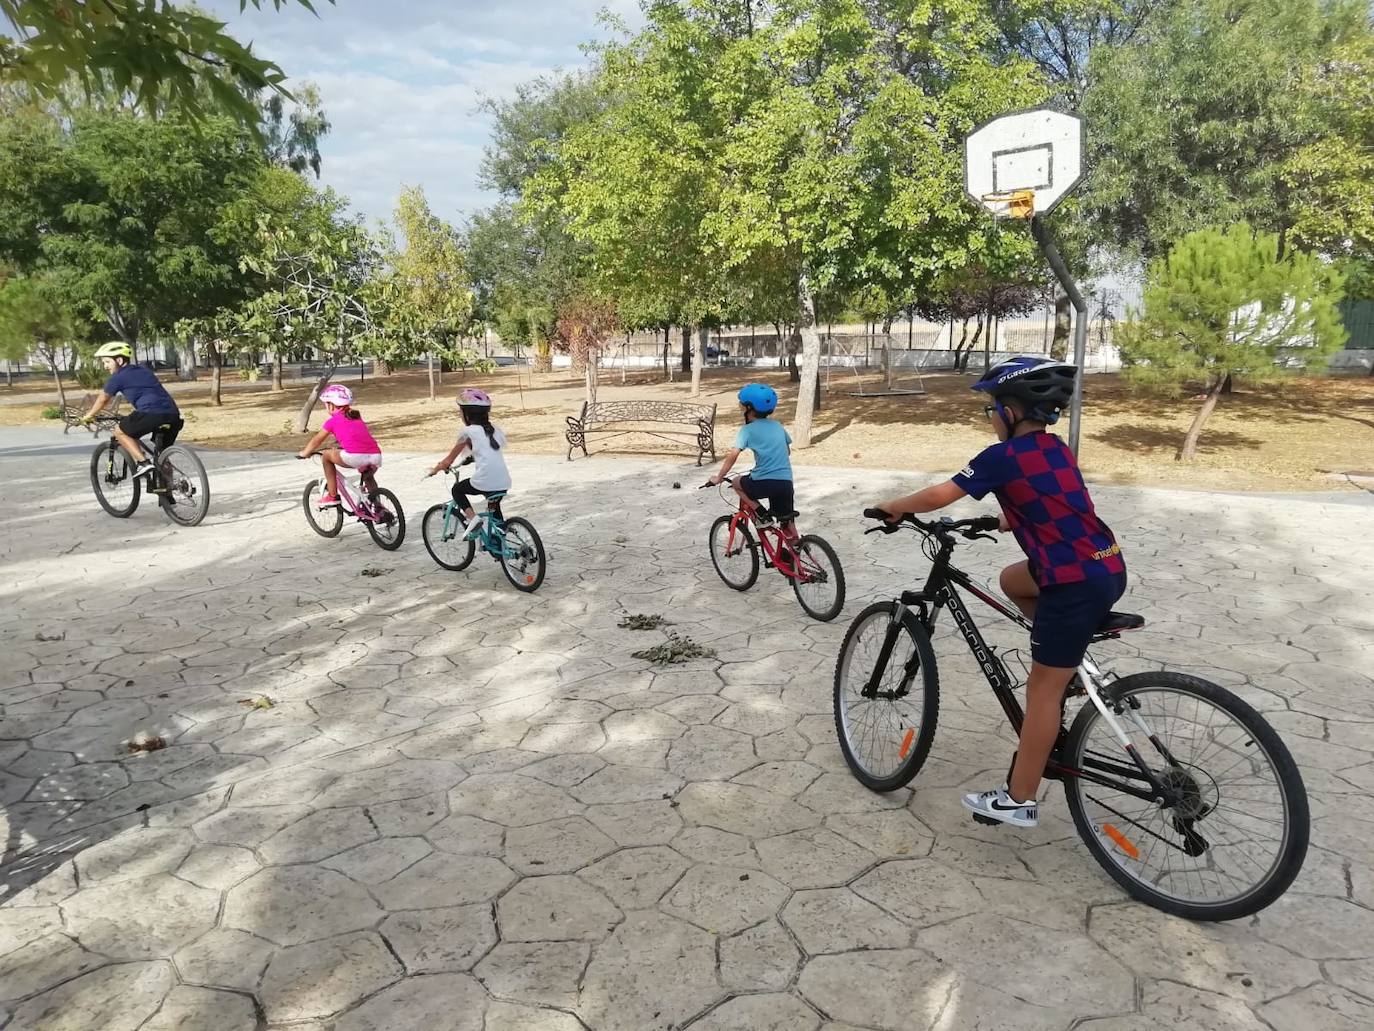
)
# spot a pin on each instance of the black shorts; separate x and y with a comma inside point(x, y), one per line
point(778, 493)
point(464, 491)
point(1068, 615)
point(139, 424)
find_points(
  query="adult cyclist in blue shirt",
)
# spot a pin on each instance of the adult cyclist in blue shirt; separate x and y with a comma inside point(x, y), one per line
point(771, 478)
point(152, 405)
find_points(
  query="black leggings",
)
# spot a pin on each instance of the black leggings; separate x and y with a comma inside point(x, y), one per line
point(463, 491)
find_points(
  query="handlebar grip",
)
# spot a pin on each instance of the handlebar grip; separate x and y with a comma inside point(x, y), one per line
point(987, 523)
point(876, 513)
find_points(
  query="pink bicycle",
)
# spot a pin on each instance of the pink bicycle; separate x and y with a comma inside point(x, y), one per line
point(375, 507)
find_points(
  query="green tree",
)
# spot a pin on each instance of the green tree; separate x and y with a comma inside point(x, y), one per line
point(125, 214)
point(1226, 111)
point(1225, 304)
point(161, 54)
point(524, 263)
point(321, 283)
point(33, 322)
point(811, 144)
point(433, 298)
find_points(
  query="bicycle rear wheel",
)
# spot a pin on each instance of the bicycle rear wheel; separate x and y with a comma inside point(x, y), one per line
point(444, 538)
point(886, 738)
point(522, 558)
point(819, 580)
point(389, 529)
point(113, 481)
point(1235, 833)
point(327, 522)
point(185, 498)
point(736, 558)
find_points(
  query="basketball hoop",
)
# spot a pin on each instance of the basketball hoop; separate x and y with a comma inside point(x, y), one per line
point(1010, 203)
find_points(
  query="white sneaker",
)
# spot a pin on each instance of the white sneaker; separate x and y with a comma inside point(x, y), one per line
point(1000, 806)
point(474, 528)
point(143, 468)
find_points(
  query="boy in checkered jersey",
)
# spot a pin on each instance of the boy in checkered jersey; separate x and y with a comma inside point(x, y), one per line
point(1073, 573)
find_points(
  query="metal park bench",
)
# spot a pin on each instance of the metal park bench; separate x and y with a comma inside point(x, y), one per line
point(608, 419)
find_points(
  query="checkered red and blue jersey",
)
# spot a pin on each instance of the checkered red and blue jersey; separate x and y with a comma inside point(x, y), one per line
point(1036, 481)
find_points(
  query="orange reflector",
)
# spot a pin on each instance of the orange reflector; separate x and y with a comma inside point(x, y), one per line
point(529, 579)
point(1121, 841)
point(906, 744)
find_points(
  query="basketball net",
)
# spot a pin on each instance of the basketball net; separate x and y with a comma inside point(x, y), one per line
point(1011, 203)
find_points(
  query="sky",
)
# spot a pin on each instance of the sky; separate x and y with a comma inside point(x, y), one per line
point(401, 81)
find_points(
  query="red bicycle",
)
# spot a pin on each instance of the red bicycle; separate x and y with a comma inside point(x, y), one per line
point(808, 561)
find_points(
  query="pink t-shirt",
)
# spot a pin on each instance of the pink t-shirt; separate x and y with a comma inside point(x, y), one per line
point(352, 434)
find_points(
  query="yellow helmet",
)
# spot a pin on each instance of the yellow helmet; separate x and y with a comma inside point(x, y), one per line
point(115, 349)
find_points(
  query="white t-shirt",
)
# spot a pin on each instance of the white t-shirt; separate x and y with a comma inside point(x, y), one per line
point(489, 471)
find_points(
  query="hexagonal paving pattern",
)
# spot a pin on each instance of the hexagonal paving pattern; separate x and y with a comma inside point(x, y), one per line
point(424, 799)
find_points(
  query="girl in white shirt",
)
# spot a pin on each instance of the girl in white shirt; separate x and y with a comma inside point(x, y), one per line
point(485, 444)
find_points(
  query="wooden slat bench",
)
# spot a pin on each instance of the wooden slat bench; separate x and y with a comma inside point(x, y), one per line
point(104, 421)
point(607, 419)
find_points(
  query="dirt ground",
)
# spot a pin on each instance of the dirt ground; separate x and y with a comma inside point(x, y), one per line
point(1300, 434)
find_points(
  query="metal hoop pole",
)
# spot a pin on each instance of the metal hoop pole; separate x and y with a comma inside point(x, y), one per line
point(1080, 323)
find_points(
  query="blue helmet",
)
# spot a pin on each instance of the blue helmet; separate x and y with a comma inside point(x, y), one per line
point(1041, 385)
point(760, 397)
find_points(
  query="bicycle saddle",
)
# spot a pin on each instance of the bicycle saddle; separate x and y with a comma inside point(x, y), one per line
point(1116, 622)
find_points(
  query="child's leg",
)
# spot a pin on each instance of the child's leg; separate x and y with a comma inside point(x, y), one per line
point(1044, 692)
point(331, 475)
point(1018, 584)
point(460, 498)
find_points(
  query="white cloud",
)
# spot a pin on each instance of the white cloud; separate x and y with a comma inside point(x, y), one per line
point(401, 82)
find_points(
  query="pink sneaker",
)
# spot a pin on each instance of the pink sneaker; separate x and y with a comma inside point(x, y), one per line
point(328, 501)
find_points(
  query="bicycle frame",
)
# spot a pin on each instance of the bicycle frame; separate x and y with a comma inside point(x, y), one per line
point(940, 592)
point(360, 508)
point(492, 536)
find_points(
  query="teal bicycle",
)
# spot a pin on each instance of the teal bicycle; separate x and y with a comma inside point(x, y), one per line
point(511, 542)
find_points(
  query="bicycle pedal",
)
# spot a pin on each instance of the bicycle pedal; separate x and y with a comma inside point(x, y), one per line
point(986, 821)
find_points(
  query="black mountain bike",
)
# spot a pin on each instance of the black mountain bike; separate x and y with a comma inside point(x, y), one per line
point(178, 479)
point(1181, 791)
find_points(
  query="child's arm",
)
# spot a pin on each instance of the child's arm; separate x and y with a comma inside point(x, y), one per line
point(928, 500)
point(315, 442)
point(731, 457)
point(446, 462)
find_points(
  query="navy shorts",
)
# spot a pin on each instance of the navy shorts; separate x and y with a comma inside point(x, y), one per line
point(1068, 615)
point(778, 493)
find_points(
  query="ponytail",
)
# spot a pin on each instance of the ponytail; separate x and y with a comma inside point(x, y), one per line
point(353, 413)
point(480, 415)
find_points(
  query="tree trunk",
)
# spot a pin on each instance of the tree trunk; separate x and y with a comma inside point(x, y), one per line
point(686, 348)
point(1226, 385)
point(1059, 346)
point(590, 363)
point(186, 353)
point(703, 334)
point(1189, 448)
point(276, 373)
point(887, 361)
point(303, 416)
point(987, 344)
point(381, 368)
point(807, 399)
point(57, 378)
point(666, 345)
point(216, 374)
point(431, 374)
point(9, 374)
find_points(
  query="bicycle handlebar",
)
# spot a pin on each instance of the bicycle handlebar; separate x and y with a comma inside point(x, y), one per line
point(971, 529)
point(723, 479)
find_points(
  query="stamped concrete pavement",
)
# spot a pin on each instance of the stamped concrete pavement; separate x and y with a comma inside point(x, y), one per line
point(473, 809)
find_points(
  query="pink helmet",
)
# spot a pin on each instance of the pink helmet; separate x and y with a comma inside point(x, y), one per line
point(336, 394)
point(474, 398)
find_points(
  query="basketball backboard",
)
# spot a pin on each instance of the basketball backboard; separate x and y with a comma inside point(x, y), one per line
point(1040, 150)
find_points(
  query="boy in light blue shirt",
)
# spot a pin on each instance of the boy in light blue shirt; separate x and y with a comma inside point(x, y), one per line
point(771, 478)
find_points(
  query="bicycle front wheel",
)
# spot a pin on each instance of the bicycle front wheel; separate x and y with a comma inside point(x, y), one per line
point(113, 481)
point(1233, 832)
point(886, 733)
point(327, 522)
point(443, 533)
point(185, 497)
point(388, 530)
point(819, 580)
point(734, 553)
point(522, 556)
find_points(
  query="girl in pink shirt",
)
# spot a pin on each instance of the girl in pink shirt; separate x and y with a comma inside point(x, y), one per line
point(357, 449)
